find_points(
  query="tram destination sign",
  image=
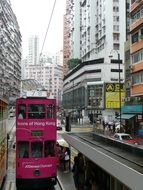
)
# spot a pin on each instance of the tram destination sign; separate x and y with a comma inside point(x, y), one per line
point(36, 133)
point(36, 123)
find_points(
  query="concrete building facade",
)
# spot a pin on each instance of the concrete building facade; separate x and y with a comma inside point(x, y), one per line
point(102, 33)
point(33, 50)
point(48, 73)
point(136, 31)
point(10, 52)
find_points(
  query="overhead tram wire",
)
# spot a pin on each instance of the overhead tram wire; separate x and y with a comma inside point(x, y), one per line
point(48, 27)
point(45, 39)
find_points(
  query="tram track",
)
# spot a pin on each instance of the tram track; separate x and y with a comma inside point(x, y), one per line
point(102, 145)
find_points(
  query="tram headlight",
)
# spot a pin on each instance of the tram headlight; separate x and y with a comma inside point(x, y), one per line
point(36, 173)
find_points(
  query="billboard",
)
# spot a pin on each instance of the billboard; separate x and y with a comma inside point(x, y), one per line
point(112, 95)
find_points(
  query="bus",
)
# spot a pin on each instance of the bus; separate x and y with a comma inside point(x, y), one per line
point(36, 136)
point(3, 140)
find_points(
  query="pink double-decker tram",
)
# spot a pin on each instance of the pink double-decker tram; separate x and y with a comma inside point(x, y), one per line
point(36, 134)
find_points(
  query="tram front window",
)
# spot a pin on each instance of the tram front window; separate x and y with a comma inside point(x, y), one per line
point(36, 111)
point(49, 148)
point(23, 149)
point(51, 111)
point(37, 148)
point(21, 111)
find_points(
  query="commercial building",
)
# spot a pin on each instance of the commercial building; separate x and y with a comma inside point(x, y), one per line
point(101, 34)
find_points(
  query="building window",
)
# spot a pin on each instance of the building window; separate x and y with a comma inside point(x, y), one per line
point(116, 18)
point(135, 37)
point(116, 27)
point(137, 15)
point(116, 46)
point(116, 37)
point(137, 57)
point(137, 78)
point(115, 9)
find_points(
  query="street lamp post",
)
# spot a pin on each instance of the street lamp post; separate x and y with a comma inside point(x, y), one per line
point(73, 101)
point(119, 82)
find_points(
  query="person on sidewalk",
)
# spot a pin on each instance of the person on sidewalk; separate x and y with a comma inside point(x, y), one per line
point(62, 157)
point(66, 161)
point(81, 172)
point(75, 172)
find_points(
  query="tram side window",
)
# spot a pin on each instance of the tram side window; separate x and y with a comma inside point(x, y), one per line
point(37, 148)
point(49, 148)
point(36, 111)
point(51, 111)
point(21, 111)
point(23, 149)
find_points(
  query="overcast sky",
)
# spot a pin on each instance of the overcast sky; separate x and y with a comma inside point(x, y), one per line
point(33, 17)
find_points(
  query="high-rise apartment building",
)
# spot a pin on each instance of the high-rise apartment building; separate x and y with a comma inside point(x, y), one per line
point(33, 50)
point(136, 48)
point(66, 44)
point(96, 28)
point(10, 52)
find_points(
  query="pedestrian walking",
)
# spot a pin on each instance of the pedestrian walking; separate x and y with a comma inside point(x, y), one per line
point(81, 172)
point(75, 172)
point(66, 161)
point(62, 157)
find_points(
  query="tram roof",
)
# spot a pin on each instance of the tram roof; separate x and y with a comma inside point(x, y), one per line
point(35, 94)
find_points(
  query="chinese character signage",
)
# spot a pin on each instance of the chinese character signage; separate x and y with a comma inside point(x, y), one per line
point(112, 95)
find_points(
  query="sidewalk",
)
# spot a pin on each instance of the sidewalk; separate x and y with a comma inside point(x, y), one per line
point(10, 123)
point(66, 179)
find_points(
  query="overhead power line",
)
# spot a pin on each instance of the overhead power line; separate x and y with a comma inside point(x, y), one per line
point(48, 27)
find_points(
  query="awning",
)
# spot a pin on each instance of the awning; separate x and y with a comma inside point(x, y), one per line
point(126, 116)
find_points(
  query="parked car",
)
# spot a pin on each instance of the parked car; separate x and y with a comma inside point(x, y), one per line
point(124, 137)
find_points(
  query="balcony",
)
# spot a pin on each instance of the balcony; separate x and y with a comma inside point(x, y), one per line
point(137, 67)
point(136, 24)
point(137, 4)
point(136, 46)
point(137, 90)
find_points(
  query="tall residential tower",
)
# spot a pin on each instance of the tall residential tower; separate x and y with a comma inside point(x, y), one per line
point(33, 52)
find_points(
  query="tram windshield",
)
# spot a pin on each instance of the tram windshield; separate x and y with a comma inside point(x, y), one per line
point(21, 111)
point(49, 148)
point(51, 111)
point(37, 149)
point(36, 111)
point(23, 149)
